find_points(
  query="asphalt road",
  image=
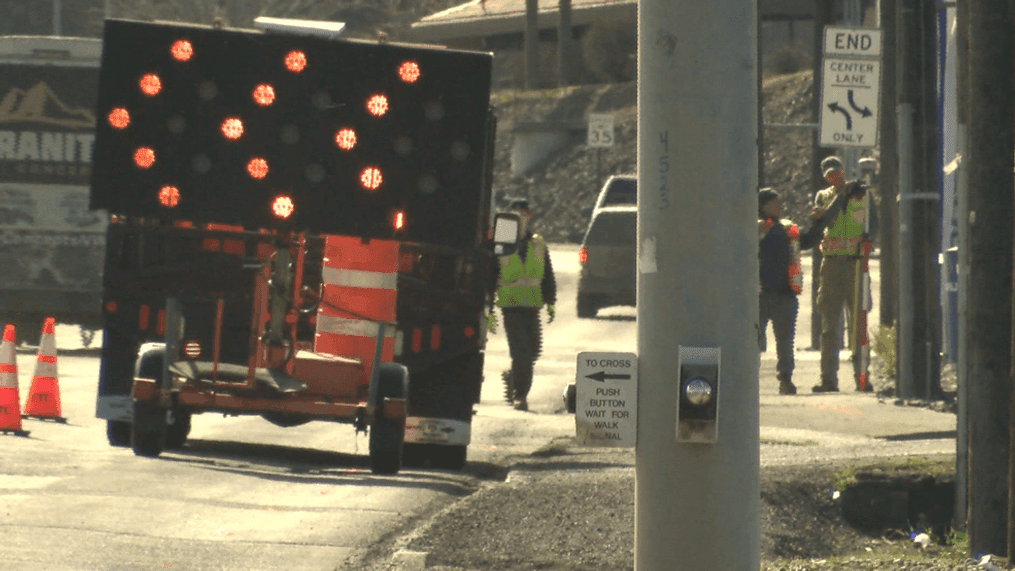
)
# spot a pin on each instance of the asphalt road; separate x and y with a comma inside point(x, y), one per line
point(244, 494)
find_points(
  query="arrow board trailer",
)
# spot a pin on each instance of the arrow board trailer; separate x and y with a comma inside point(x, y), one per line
point(850, 89)
point(606, 388)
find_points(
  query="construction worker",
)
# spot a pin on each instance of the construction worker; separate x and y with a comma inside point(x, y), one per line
point(525, 283)
point(840, 253)
point(780, 281)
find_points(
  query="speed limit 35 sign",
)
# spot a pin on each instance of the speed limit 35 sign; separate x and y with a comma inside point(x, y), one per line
point(600, 130)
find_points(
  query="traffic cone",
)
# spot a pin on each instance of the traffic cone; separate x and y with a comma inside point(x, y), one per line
point(44, 396)
point(10, 399)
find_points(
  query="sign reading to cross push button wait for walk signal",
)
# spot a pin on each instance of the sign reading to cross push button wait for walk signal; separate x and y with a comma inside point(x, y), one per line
point(606, 392)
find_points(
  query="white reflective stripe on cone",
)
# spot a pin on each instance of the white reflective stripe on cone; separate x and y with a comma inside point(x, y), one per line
point(7, 353)
point(48, 345)
point(43, 369)
point(354, 327)
point(9, 380)
point(359, 278)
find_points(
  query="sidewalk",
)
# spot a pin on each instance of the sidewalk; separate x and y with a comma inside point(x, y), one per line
point(565, 507)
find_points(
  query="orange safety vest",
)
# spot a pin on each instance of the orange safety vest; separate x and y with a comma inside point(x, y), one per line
point(794, 272)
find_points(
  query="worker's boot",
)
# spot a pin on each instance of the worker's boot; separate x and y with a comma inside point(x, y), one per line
point(826, 386)
point(509, 386)
point(786, 386)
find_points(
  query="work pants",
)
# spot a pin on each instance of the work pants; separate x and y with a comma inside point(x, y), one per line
point(779, 307)
point(836, 289)
point(525, 342)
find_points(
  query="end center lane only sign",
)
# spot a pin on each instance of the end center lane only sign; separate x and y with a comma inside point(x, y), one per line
point(606, 391)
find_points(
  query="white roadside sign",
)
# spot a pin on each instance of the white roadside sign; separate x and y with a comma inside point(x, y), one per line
point(606, 391)
point(852, 42)
point(600, 130)
point(850, 89)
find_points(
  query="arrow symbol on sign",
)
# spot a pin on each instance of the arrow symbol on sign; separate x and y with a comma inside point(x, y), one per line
point(849, 120)
point(866, 112)
point(603, 376)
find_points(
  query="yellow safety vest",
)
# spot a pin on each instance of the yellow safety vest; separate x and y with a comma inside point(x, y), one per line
point(520, 284)
point(842, 237)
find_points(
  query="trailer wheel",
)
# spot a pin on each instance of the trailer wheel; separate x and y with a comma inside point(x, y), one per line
point(177, 432)
point(586, 307)
point(118, 432)
point(148, 432)
point(387, 435)
point(149, 429)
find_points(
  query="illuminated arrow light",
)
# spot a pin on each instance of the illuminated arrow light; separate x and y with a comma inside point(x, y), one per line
point(345, 139)
point(119, 118)
point(169, 196)
point(377, 105)
point(399, 220)
point(144, 157)
point(296, 61)
point(408, 71)
point(232, 128)
point(371, 178)
point(182, 50)
point(258, 168)
point(264, 95)
point(150, 84)
point(283, 206)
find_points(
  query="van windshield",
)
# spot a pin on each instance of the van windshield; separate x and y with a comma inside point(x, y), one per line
point(614, 229)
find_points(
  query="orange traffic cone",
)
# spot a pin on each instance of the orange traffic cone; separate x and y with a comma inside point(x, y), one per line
point(44, 395)
point(10, 399)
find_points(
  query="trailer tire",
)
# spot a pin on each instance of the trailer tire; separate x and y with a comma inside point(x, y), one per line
point(387, 435)
point(586, 307)
point(118, 433)
point(177, 432)
point(148, 431)
point(432, 395)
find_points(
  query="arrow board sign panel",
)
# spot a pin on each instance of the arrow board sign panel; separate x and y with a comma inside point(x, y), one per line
point(850, 89)
point(606, 390)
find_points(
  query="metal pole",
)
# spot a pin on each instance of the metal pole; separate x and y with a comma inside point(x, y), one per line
point(905, 384)
point(57, 24)
point(531, 43)
point(697, 505)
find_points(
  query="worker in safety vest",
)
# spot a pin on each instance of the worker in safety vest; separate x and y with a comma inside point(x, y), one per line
point(840, 253)
point(525, 283)
point(780, 281)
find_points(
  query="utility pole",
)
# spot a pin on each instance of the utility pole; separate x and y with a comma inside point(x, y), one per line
point(564, 41)
point(888, 189)
point(531, 43)
point(697, 504)
point(822, 18)
point(989, 317)
point(57, 18)
point(962, 219)
point(918, 344)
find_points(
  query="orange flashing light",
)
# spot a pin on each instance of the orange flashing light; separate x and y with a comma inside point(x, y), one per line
point(169, 196)
point(119, 118)
point(150, 84)
point(408, 71)
point(232, 128)
point(345, 139)
point(264, 95)
point(144, 157)
point(377, 105)
point(283, 206)
point(295, 61)
point(182, 50)
point(258, 168)
point(371, 178)
point(399, 220)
